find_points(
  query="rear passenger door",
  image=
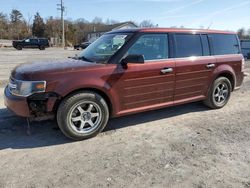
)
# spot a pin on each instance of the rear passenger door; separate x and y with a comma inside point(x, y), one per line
point(194, 66)
point(33, 43)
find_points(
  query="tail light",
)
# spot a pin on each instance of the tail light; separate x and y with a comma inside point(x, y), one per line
point(242, 65)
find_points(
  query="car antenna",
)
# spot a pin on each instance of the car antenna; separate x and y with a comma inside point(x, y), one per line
point(210, 25)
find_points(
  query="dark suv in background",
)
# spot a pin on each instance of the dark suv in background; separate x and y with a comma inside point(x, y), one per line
point(40, 43)
point(245, 48)
point(82, 46)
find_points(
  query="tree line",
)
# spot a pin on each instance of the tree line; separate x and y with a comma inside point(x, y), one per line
point(244, 33)
point(16, 27)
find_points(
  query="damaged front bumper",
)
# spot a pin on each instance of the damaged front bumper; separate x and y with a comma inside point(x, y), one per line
point(16, 104)
point(35, 106)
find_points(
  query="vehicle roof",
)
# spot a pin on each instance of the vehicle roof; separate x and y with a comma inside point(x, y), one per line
point(35, 38)
point(172, 30)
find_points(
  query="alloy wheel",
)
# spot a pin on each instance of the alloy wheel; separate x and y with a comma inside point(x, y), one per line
point(221, 93)
point(85, 117)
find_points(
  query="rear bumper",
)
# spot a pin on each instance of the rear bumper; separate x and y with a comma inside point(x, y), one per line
point(240, 80)
point(18, 105)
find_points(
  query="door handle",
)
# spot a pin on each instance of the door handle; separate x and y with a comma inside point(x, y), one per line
point(211, 65)
point(166, 70)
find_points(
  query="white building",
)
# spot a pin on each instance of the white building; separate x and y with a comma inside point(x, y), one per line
point(106, 28)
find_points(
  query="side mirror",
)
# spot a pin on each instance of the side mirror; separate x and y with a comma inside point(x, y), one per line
point(136, 59)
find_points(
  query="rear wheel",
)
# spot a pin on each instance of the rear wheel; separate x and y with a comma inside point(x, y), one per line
point(219, 93)
point(19, 47)
point(41, 47)
point(82, 115)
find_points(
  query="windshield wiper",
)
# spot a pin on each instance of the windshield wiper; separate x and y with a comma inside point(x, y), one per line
point(85, 59)
point(73, 57)
point(81, 58)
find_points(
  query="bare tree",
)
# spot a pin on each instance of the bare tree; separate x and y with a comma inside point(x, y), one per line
point(111, 22)
point(27, 23)
point(147, 23)
point(248, 33)
point(241, 33)
point(53, 30)
point(97, 20)
point(3, 25)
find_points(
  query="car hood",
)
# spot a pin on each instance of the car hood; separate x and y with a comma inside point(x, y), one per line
point(29, 70)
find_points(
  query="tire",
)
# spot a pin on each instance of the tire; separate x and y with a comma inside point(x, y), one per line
point(19, 47)
point(41, 47)
point(78, 120)
point(219, 93)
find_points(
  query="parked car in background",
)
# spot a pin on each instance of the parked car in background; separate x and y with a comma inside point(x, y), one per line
point(82, 46)
point(129, 71)
point(40, 43)
point(245, 48)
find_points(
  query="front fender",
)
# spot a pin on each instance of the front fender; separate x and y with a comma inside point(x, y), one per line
point(66, 86)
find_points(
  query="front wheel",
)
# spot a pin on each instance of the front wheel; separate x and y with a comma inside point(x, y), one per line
point(41, 47)
point(219, 93)
point(82, 115)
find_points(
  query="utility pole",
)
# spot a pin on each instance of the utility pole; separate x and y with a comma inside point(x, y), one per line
point(61, 7)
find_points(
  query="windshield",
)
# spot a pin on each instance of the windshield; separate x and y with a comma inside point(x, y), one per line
point(104, 47)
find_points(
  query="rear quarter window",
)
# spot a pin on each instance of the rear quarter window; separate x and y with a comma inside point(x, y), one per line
point(225, 44)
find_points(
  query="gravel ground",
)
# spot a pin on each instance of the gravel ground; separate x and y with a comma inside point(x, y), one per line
point(183, 146)
point(10, 57)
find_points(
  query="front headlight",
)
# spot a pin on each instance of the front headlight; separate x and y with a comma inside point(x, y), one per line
point(26, 88)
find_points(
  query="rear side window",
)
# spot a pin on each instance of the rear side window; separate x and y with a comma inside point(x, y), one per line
point(188, 45)
point(33, 40)
point(45, 41)
point(225, 44)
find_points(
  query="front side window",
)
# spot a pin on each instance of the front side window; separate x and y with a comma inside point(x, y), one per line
point(225, 44)
point(188, 45)
point(151, 46)
point(104, 47)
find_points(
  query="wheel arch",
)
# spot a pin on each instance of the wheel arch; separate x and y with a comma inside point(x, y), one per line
point(91, 89)
point(226, 71)
point(229, 76)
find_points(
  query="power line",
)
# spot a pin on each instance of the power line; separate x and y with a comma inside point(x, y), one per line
point(61, 7)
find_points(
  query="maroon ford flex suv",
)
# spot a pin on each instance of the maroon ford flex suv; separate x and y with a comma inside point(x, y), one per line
point(125, 72)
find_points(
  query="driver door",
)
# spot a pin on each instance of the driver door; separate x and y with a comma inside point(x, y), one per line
point(27, 43)
point(151, 84)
